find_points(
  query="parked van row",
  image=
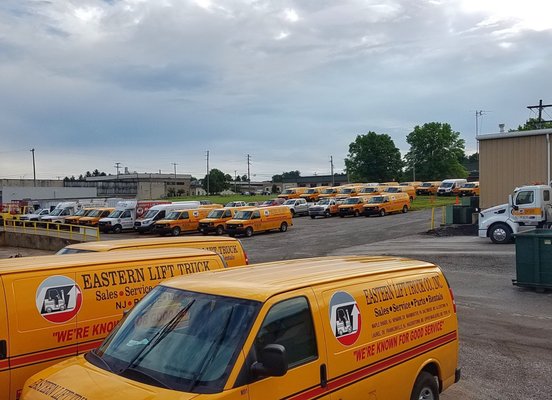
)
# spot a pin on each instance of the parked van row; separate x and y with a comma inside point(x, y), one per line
point(327, 327)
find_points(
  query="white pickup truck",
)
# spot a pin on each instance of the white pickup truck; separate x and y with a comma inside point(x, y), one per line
point(297, 206)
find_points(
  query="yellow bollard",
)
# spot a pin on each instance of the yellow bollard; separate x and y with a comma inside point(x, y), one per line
point(432, 226)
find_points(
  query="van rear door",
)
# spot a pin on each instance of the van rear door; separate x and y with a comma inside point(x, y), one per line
point(4, 363)
point(43, 309)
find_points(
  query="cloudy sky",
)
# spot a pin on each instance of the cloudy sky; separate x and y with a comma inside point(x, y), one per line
point(148, 83)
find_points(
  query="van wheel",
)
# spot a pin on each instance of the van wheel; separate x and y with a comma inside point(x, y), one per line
point(204, 231)
point(283, 227)
point(425, 387)
point(405, 209)
point(220, 230)
point(175, 231)
point(327, 214)
point(356, 213)
point(382, 213)
point(500, 233)
point(248, 231)
point(62, 308)
point(117, 229)
point(49, 309)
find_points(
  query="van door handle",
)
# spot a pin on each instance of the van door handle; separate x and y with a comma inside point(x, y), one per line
point(323, 376)
point(3, 349)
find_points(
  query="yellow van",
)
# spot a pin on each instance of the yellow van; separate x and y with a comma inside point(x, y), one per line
point(259, 219)
point(323, 328)
point(74, 219)
point(414, 184)
point(387, 203)
point(229, 248)
point(371, 190)
point(216, 220)
point(313, 194)
point(292, 193)
point(179, 221)
point(95, 215)
point(349, 191)
point(428, 188)
point(402, 189)
point(54, 307)
point(469, 189)
point(352, 206)
point(330, 192)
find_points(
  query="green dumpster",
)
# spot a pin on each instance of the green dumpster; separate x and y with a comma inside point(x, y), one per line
point(534, 259)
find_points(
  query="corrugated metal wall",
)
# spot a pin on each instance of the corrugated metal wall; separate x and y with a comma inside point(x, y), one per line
point(510, 162)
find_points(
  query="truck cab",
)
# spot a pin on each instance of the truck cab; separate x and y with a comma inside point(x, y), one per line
point(528, 207)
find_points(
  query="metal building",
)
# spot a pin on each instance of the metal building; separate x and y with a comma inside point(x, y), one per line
point(511, 159)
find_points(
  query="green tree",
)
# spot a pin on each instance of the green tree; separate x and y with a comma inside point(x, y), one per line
point(217, 181)
point(244, 178)
point(436, 152)
point(286, 175)
point(533, 123)
point(238, 178)
point(373, 158)
point(228, 177)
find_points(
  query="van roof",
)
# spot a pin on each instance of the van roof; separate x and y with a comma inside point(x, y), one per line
point(56, 262)
point(262, 281)
point(120, 244)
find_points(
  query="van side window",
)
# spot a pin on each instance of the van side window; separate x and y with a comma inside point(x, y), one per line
point(289, 323)
point(227, 214)
point(184, 215)
point(126, 214)
point(160, 215)
point(525, 197)
point(255, 215)
point(546, 195)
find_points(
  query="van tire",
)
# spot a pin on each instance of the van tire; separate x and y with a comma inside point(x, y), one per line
point(500, 233)
point(382, 213)
point(248, 231)
point(117, 229)
point(327, 214)
point(405, 209)
point(220, 230)
point(283, 227)
point(425, 387)
point(175, 231)
point(356, 213)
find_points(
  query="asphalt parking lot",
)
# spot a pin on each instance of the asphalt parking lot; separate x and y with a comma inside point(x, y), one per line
point(505, 332)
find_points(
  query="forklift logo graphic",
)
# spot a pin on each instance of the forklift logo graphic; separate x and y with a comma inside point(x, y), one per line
point(58, 299)
point(345, 318)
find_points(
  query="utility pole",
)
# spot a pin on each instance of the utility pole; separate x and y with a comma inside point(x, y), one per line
point(117, 165)
point(235, 181)
point(248, 174)
point(207, 172)
point(34, 168)
point(540, 107)
point(174, 164)
point(331, 169)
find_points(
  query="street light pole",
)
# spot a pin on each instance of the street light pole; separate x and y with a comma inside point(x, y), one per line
point(34, 168)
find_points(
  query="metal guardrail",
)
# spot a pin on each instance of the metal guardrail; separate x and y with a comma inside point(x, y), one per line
point(66, 231)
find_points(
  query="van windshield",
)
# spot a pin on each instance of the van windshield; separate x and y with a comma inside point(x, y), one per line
point(376, 200)
point(173, 215)
point(325, 201)
point(469, 185)
point(178, 340)
point(81, 212)
point(393, 190)
point(426, 184)
point(150, 214)
point(215, 214)
point(347, 191)
point(329, 191)
point(243, 215)
point(289, 191)
point(352, 200)
point(369, 190)
point(447, 184)
point(56, 212)
point(94, 213)
point(116, 214)
point(310, 191)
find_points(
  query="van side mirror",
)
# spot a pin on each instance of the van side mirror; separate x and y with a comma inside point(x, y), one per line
point(273, 361)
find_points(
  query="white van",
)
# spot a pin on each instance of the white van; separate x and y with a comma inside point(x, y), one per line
point(62, 210)
point(155, 213)
point(450, 187)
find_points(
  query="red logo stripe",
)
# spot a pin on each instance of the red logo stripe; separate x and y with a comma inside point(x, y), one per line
point(374, 368)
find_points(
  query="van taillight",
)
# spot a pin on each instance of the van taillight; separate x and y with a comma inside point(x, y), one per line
point(453, 302)
point(246, 258)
